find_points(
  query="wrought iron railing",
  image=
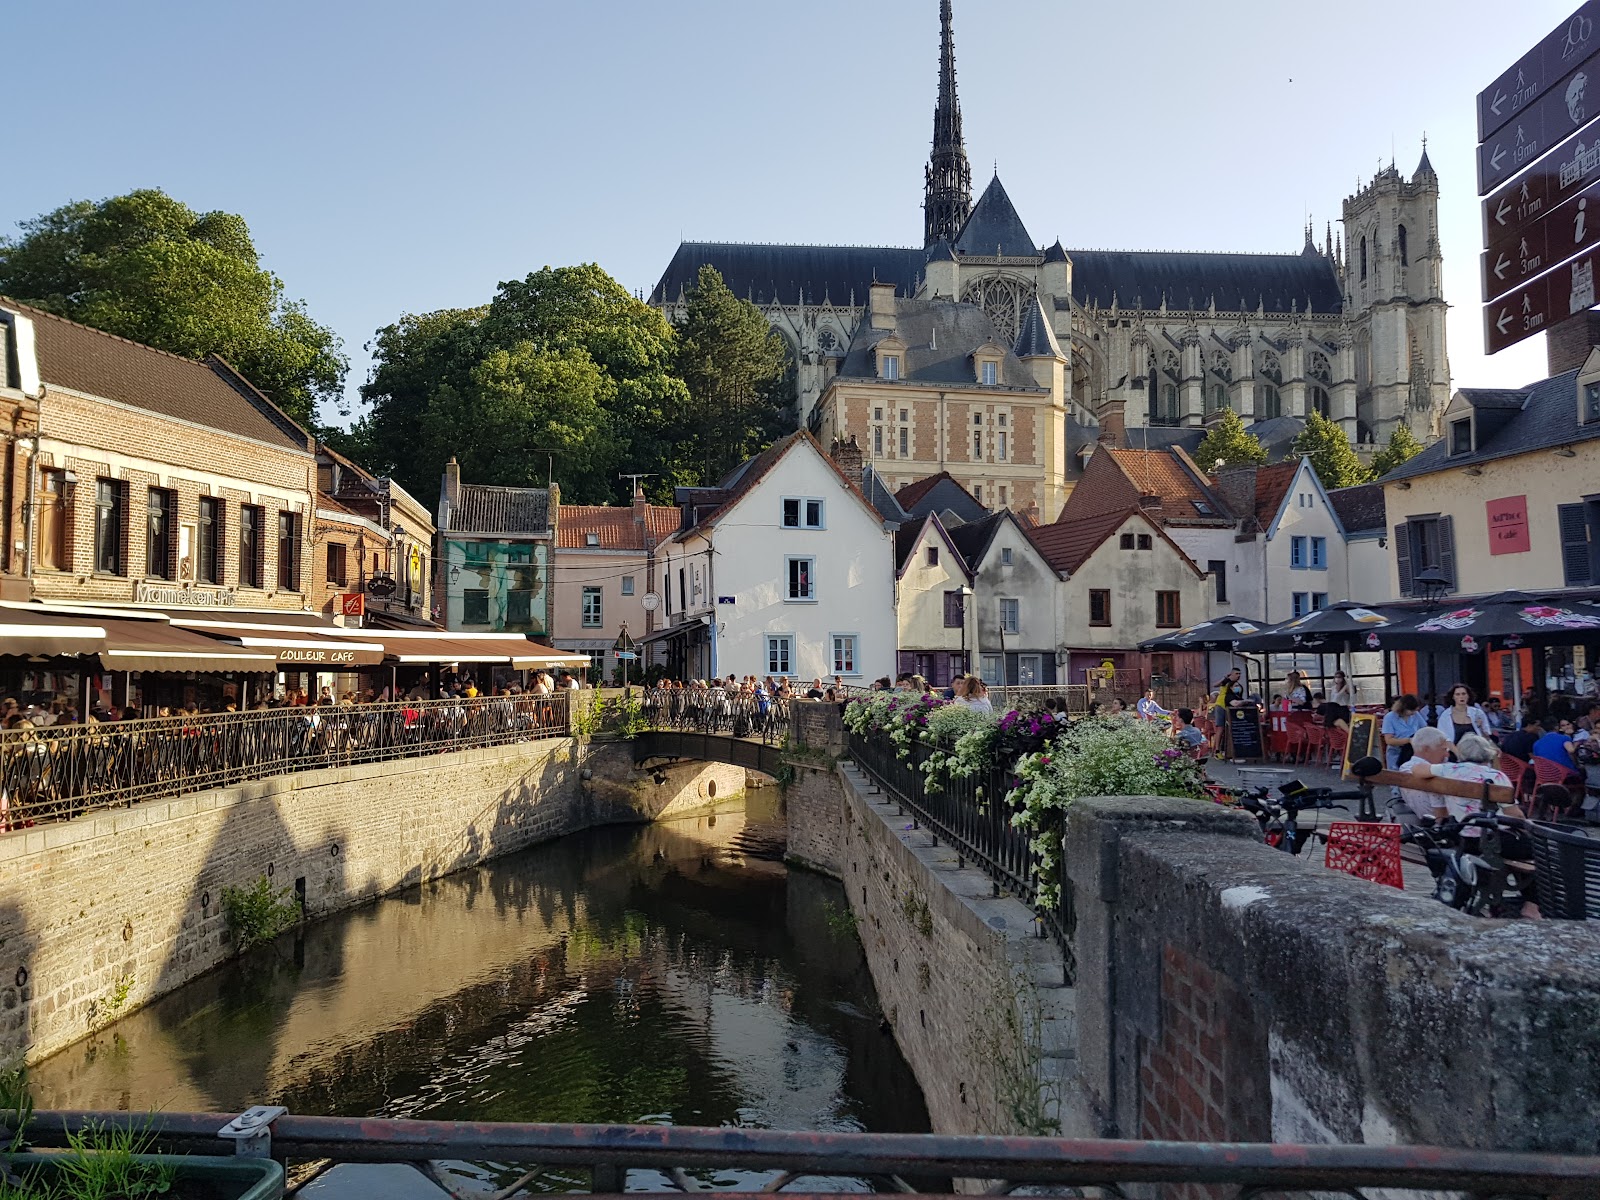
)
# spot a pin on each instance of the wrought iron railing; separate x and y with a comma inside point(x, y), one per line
point(1032, 696)
point(61, 771)
point(973, 815)
point(718, 710)
point(606, 1159)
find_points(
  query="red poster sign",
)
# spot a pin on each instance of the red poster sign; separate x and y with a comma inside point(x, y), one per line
point(1508, 525)
point(354, 604)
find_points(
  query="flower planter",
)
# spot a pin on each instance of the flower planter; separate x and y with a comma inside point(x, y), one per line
point(199, 1177)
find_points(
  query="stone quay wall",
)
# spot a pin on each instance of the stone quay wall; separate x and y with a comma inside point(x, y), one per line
point(104, 913)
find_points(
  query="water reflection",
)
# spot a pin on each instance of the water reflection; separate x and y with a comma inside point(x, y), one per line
point(670, 973)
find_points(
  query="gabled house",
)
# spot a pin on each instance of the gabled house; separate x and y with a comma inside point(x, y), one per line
point(785, 568)
point(371, 539)
point(493, 555)
point(1017, 612)
point(934, 602)
point(1361, 513)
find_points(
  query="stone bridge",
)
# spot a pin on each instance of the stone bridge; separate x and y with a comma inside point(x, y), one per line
point(670, 745)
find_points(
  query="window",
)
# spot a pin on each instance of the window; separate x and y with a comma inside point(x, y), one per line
point(593, 608)
point(1271, 402)
point(1005, 556)
point(289, 557)
point(209, 567)
point(50, 522)
point(1218, 570)
point(1297, 552)
point(475, 606)
point(1319, 554)
point(1319, 601)
point(877, 441)
point(1001, 420)
point(1301, 604)
point(627, 585)
point(977, 418)
point(1363, 260)
point(249, 546)
point(683, 601)
point(1401, 237)
point(1591, 402)
point(1461, 436)
point(1001, 491)
point(1000, 445)
point(1010, 616)
point(108, 527)
point(904, 416)
point(1167, 610)
point(1219, 397)
point(1029, 670)
point(954, 610)
point(905, 442)
point(891, 366)
point(591, 539)
point(1320, 401)
point(1576, 557)
point(844, 654)
point(780, 655)
point(877, 413)
point(977, 445)
point(1126, 541)
point(933, 556)
point(977, 492)
point(1144, 541)
point(800, 513)
point(336, 563)
point(158, 534)
point(802, 578)
point(1099, 606)
point(989, 373)
point(1421, 543)
point(989, 669)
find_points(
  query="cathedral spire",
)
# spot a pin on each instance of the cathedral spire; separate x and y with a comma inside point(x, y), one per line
point(948, 181)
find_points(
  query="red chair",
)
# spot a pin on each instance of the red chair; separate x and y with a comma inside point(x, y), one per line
point(1334, 740)
point(1303, 736)
point(1546, 770)
point(1519, 773)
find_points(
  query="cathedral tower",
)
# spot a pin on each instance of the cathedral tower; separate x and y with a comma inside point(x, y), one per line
point(1394, 299)
point(948, 183)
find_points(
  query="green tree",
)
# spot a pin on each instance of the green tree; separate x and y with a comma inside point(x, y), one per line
point(1332, 456)
point(736, 369)
point(1230, 443)
point(1402, 446)
point(148, 267)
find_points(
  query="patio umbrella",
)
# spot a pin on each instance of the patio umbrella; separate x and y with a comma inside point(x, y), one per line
point(1337, 629)
point(1219, 633)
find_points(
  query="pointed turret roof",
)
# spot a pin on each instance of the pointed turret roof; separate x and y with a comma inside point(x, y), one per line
point(947, 183)
point(1425, 166)
point(1056, 253)
point(994, 227)
point(940, 252)
point(1036, 339)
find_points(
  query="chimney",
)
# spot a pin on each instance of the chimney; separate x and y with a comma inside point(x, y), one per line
point(1237, 486)
point(1030, 514)
point(1113, 434)
point(641, 514)
point(881, 306)
point(847, 454)
point(1567, 345)
point(452, 481)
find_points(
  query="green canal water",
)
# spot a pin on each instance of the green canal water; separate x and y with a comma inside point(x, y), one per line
point(670, 973)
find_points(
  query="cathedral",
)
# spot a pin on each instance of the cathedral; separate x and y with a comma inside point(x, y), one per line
point(1004, 363)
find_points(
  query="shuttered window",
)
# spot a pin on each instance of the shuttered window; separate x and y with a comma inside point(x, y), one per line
point(1575, 566)
point(1422, 543)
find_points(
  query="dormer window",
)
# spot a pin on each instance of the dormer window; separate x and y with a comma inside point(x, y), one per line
point(591, 539)
point(891, 358)
point(989, 373)
point(1461, 436)
point(1591, 402)
point(891, 366)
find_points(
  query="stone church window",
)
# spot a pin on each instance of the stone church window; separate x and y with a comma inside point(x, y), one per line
point(1271, 403)
point(1402, 245)
point(1219, 397)
point(1320, 368)
point(1320, 402)
point(1363, 260)
point(1003, 299)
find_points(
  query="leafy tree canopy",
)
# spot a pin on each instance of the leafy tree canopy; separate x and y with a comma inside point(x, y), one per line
point(148, 267)
point(1230, 443)
point(1402, 446)
point(1332, 456)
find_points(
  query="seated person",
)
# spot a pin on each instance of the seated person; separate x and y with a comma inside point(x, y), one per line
point(1430, 748)
point(1520, 742)
point(1557, 746)
point(1148, 708)
point(1183, 730)
point(1331, 714)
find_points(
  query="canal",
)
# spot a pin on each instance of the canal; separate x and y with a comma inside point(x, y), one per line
point(675, 973)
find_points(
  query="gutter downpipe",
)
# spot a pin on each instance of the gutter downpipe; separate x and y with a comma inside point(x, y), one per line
point(711, 588)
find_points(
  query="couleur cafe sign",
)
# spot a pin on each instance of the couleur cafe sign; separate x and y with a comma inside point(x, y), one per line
point(307, 655)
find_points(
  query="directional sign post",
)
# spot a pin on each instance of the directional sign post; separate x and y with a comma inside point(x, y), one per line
point(1537, 305)
point(1536, 72)
point(1538, 244)
point(1569, 106)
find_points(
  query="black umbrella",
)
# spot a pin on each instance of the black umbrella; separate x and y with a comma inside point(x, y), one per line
point(1337, 629)
point(1505, 621)
point(1219, 633)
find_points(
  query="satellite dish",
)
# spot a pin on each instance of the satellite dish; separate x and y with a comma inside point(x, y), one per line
point(651, 602)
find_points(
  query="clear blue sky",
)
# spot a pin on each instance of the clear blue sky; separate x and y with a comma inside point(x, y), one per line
point(399, 156)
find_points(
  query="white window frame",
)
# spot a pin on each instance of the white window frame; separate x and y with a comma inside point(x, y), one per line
point(1015, 624)
point(811, 577)
point(594, 615)
point(905, 442)
point(1001, 445)
point(989, 373)
point(891, 366)
point(977, 445)
point(877, 441)
point(784, 644)
point(834, 639)
point(805, 508)
point(627, 585)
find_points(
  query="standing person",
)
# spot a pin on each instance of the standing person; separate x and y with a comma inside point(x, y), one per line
point(1343, 692)
point(1230, 695)
point(1400, 724)
point(1462, 716)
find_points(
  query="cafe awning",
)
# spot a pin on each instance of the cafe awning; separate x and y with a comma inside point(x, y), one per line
point(418, 647)
point(24, 630)
point(672, 631)
point(308, 650)
point(154, 645)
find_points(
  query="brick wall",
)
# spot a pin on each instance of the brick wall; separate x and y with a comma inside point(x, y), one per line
point(136, 895)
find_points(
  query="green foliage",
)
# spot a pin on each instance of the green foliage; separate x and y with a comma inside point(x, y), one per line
point(1228, 441)
point(841, 922)
point(1332, 456)
point(734, 365)
point(101, 1163)
point(257, 913)
point(149, 268)
point(16, 1107)
point(621, 714)
point(1402, 447)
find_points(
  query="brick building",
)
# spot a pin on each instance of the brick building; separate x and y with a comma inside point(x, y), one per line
point(372, 541)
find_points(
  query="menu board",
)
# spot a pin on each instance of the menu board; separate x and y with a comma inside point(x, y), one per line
point(1366, 738)
point(1244, 733)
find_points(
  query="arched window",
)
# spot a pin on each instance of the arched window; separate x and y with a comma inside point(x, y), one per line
point(1271, 403)
point(1363, 259)
point(1402, 245)
point(1155, 403)
point(1219, 397)
point(1320, 402)
point(1169, 407)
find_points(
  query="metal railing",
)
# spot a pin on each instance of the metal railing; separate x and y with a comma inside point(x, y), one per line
point(1033, 696)
point(717, 710)
point(58, 772)
point(973, 816)
point(605, 1159)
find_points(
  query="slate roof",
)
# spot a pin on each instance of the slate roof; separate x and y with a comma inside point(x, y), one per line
point(940, 336)
point(615, 526)
point(1277, 435)
point(974, 537)
point(1036, 339)
point(940, 493)
point(210, 394)
point(1548, 418)
point(1277, 283)
point(499, 510)
point(882, 497)
point(1164, 437)
point(993, 227)
point(764, 274)
point(1360, 508)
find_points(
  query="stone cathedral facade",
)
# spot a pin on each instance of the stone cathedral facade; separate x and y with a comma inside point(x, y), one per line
point(1148, 344)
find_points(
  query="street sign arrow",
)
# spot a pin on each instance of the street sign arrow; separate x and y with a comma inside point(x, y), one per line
point(1500, 154)
point(1500, 213)
point(1500, 267)
point(1540, 303)
point(1505, 319)
point(1541, 70)
point(1568, 105)
point(1499, 99)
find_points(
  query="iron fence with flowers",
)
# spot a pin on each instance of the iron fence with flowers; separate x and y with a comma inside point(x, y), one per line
point(997, 787)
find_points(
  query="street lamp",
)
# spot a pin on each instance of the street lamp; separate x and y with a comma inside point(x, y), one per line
point(965, 591)
point(1433, 584)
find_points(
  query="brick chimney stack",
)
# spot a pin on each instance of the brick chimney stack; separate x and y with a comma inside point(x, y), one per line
point(1113, 433)
point(849, 457)
point(1567, 345)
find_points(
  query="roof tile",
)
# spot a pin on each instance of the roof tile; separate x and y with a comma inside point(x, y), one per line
point(614, 526)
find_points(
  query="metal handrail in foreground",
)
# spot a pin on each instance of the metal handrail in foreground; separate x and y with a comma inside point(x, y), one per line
point(608, 1152)
point(59, 772)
